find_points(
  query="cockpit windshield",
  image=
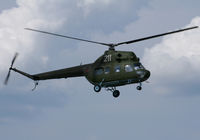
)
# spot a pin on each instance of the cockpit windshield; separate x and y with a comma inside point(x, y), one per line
point(138, 66)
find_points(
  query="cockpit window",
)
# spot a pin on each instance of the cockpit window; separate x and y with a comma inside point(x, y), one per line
point(128, 68)
point(99, 71)
point(138, 66)
point(117, 68)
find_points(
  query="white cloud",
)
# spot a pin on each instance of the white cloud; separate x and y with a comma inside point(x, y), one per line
point(176, 59)
point(88, 5)
point(13, 37)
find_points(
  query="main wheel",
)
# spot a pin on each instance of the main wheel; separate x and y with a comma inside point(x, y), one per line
point(97, 88)
point(116, 93)
point(139, 88)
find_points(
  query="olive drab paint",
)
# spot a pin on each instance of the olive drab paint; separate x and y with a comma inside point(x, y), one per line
point(116, 68)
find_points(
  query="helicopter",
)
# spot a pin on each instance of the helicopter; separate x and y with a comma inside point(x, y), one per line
point(112, 69)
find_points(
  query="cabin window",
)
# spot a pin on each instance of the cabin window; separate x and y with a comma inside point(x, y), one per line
point(107, 70)
point(99, 71)
point(128, 68)
point(138, 66)
point(117, 68)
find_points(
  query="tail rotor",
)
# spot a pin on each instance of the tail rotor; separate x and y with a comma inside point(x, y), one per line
point(8, 75)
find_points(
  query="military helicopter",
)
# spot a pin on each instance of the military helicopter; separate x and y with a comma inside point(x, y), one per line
point(112, 69)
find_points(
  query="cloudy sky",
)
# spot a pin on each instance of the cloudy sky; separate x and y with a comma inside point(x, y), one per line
point(166, 108)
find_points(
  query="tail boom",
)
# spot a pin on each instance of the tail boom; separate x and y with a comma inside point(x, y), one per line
point(25, 74)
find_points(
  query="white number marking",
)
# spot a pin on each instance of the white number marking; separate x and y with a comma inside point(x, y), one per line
point(107, 58)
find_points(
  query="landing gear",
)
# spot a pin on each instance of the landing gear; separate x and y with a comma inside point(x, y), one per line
point(97, 88)
point(115, 92)
point(139, 87)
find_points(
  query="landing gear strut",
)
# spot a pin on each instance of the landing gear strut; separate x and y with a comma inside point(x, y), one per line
point(115, 92)
point(139, 87)
point(97, 87)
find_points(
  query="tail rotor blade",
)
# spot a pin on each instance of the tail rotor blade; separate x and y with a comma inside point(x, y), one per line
point(8, 75)
point(7, 78)
point(13, 61)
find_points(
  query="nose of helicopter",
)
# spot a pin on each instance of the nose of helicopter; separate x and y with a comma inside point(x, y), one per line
point(143, 74)
point(147, 74)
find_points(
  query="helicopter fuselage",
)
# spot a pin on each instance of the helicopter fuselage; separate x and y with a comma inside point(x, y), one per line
point(112, 69)
point(116, 68)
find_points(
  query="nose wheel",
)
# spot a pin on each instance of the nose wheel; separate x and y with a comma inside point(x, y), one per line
point(139, 87)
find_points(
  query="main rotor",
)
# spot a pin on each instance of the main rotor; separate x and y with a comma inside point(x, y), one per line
point(113, 45)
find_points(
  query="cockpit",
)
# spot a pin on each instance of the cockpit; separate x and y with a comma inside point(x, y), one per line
point(138, 66)
point(135, 66)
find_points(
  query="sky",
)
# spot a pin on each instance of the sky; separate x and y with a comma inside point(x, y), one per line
point(166, 108)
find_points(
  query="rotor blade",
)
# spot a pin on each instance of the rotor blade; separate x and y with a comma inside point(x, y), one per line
point(69, 37)
point(7, 78)
point(155, 36)
point(13, 61)
point(8, 75)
